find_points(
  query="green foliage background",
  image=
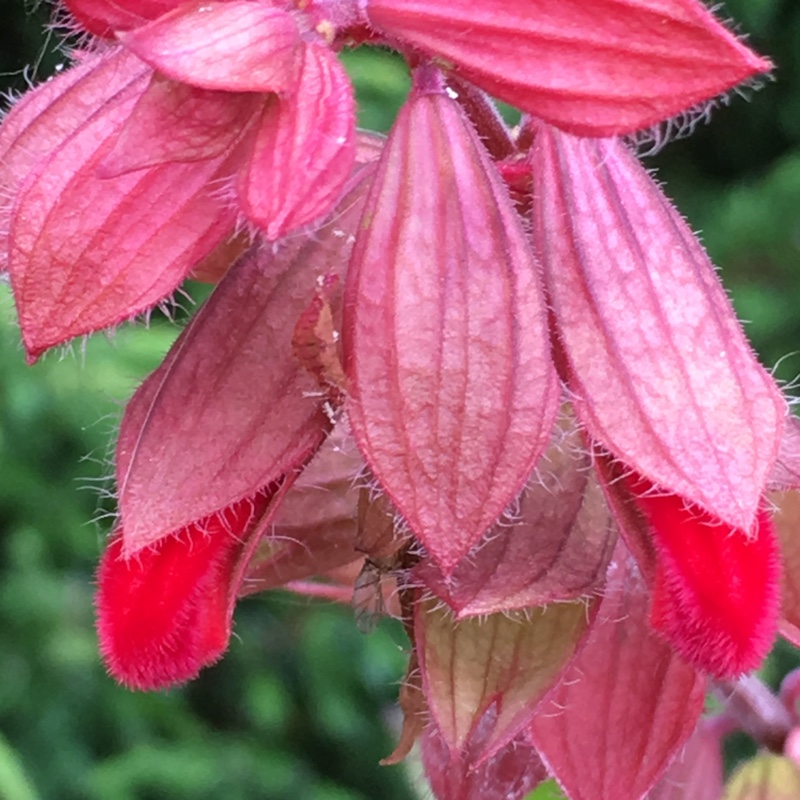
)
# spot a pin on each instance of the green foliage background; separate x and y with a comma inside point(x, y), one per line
point(302, 706)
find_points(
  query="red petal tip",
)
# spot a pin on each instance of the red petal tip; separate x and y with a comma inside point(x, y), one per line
point(165, 613)
point(715, 596)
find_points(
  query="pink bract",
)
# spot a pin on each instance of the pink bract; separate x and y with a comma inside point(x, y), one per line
point(451, 409)
point(485, 379)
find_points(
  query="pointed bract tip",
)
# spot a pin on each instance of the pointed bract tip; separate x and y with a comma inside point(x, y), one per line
point(510, 774)
point(589, 72)
point(32, 355)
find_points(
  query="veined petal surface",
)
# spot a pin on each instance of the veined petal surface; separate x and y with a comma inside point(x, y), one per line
point(86, 252)
point(316, 527)
point(624, 706)
point(47, 116)
point(231, 408)
point(503, 665)
point(104, 17)
point(177, 122)
point(787, 523)
point(660, 369)
point(555, 545)
point(452, 390)
point(786, 471)
point(595, 68)
point(697, 773)
point(95, 253)
point(236, 46)
point(310, 133)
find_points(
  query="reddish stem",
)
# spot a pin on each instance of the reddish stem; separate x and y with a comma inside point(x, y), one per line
point(758, 712)
point(485, 117)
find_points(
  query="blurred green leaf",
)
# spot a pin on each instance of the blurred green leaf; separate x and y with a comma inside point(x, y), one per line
point(549, 790)
point(14, 785)
point(766, 777)
point(381, 81)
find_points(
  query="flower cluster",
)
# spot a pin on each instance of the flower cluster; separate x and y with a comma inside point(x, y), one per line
point(490, 368)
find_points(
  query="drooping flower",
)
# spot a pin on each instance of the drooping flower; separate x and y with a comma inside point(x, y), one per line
point(136, 165)
point(442, 295)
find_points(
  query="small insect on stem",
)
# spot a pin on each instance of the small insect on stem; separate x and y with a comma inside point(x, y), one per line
point(368, 601)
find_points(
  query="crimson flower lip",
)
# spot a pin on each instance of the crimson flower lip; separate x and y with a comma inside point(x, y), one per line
point(167, 613)
point(715, 589)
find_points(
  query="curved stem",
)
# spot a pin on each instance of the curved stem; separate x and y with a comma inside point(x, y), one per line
point(757, 710)
point(484, 115)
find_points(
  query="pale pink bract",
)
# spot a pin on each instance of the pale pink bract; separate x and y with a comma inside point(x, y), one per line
point(489, 369)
